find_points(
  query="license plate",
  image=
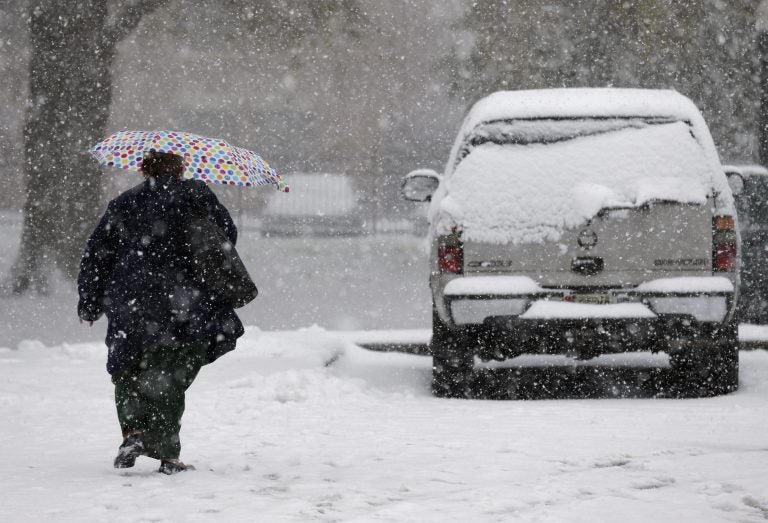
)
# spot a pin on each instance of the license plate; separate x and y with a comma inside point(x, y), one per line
point(596, 299)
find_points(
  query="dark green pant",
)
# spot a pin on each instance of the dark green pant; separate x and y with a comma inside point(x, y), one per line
point(150, 396)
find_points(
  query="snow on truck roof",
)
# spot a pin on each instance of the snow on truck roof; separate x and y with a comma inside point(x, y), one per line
point(581, 103)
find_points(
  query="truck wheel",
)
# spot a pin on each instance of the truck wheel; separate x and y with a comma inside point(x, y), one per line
point(452, 361)
point(712, 369)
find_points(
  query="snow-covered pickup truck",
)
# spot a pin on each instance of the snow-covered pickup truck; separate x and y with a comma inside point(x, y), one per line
point(582, 222)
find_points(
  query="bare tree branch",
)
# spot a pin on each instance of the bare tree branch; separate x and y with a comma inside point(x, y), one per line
point(128, 17)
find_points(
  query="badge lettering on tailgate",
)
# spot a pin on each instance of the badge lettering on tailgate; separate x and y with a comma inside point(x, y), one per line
point(680, 262)
point(594, 299)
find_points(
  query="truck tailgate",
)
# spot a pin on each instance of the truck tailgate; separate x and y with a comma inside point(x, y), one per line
point(630, 245)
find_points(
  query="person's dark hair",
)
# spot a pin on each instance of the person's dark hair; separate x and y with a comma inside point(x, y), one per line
point(156, 163)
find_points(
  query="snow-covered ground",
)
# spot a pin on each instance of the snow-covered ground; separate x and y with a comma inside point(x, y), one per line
point(306, 426)
point(302, 424)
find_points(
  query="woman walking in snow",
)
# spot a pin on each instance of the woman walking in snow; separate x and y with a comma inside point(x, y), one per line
point(162, 326)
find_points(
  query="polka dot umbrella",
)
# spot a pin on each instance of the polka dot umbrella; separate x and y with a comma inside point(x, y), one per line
point(208, 159)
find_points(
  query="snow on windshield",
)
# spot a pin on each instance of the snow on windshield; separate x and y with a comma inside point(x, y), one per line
point(531, 193)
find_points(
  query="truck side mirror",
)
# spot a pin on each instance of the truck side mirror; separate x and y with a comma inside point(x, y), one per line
point(420, 185)
point(736, 182)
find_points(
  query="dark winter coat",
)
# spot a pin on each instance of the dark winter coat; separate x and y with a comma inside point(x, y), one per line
point(134, 271)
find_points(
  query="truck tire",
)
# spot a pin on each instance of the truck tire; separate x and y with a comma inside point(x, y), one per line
point(710, 369)
point(452, 361)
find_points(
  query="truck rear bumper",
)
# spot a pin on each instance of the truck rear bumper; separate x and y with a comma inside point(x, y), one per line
point(469, 300)
point(559, 321)
point(699, 307)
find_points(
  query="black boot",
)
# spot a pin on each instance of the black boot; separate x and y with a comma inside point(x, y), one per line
point(173, 466)
point(132, 448)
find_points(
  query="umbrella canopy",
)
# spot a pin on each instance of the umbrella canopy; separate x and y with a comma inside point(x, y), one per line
point(208, 159)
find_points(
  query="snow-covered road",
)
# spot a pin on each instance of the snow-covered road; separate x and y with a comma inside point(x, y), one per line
point(307, 426)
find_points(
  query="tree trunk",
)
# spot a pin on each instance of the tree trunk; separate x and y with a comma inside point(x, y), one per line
point(70, 94)
point(762, 47)
point(73, 46)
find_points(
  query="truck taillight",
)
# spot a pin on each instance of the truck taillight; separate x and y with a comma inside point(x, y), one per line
point(725, 258)
point(724, 246)
point(450, 258)
point(724, 223)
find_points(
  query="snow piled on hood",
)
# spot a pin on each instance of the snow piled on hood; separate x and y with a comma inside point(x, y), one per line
point(532, 193)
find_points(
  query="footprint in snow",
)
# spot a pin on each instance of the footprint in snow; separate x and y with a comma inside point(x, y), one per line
point(612, 462)
point(653, 483)
point(756, 504)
